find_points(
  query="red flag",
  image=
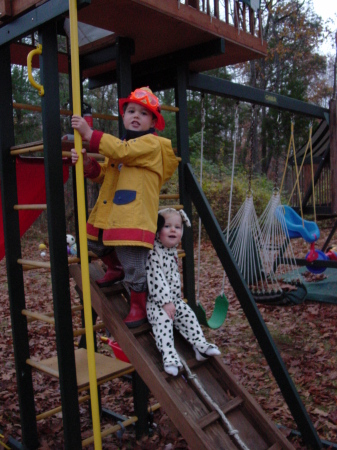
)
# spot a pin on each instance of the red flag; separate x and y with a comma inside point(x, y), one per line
point(31, 190)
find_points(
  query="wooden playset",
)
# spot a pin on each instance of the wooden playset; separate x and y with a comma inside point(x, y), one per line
point(164, 44)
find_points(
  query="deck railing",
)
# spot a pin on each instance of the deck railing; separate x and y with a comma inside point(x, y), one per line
point(233, 12)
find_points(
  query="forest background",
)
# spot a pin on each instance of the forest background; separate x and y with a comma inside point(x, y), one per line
point(293, 67)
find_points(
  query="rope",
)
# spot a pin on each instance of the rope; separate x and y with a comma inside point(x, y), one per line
point(298, 182)
point(245, 239)
point(301, 166)
point(291, 142)
point(292, 146)
point(278, 150)
point(229, 428)
point(277, 246)
point(251, 150)
point(236, 127)
point(200, 181)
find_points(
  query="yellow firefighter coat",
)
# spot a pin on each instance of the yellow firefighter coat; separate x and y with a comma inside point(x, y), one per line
point(131, 176)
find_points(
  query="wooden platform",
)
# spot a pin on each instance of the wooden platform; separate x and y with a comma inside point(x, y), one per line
point(193, 415)
point(107, 367)
point(160, 29)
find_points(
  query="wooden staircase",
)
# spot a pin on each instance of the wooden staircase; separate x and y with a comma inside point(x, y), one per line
point(197, 415)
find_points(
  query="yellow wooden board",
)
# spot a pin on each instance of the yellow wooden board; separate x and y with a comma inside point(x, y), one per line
point(106, 367)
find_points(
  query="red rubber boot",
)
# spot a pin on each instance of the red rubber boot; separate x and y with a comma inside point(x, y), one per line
point(137, 315)
point(114, 272)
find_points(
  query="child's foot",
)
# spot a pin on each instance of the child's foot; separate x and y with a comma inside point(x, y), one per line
point(171, 370)
point(211, 351)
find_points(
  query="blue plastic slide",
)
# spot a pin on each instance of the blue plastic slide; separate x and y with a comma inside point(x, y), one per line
point(297, 227)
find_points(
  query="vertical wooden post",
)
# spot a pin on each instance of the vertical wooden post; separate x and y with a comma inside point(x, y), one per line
point(13, 253)
point(125, 48)
point(185, 199)
point(333, 154)
point(57, 231)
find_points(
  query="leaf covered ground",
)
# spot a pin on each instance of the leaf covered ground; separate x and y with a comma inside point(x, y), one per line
point(304, 334)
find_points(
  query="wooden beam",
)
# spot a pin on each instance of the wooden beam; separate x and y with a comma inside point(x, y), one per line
point(333, 154)
point(224, 88)
point(5, 9)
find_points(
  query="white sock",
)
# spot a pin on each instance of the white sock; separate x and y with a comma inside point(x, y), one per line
point(171, 370)
point(212, 351)
point(198, 355)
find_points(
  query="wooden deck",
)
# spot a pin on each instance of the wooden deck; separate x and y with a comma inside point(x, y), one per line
point(193, 414)
point(160, 28)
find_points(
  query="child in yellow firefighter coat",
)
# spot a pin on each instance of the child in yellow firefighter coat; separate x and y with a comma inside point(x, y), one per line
point(122, 226)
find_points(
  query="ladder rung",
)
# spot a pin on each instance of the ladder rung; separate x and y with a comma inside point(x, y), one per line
point(30, 207)
point(169, 108)
point(110, 430)
point(58, 409)
point(30, 263)
point(38, 316)
point(109, 378)
point(115, 428)
point(76, 260)
point(81, 331)
point(169, 196)
point(30, 317)
point(22, 151)
point(75, 308)
point(181, 253)
point(177, 207)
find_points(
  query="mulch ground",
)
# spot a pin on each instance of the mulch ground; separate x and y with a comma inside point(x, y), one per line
point(305, 335)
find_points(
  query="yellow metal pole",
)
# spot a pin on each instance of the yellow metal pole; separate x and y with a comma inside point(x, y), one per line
point(75, 73)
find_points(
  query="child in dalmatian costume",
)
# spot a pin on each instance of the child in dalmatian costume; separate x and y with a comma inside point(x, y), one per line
point(165, 307)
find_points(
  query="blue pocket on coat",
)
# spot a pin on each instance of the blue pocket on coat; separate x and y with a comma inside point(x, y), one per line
point(124, 196)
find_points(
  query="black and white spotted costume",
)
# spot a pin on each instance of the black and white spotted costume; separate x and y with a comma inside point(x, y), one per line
point(164, 286)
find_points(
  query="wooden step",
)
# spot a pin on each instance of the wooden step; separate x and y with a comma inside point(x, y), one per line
point(214, 415)
point(107, 367)
point(185, 406)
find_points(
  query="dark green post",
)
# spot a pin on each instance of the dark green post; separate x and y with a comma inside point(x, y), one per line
point(124, 48)
point(185, 199)
point(57, 236)
point(13, 253)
